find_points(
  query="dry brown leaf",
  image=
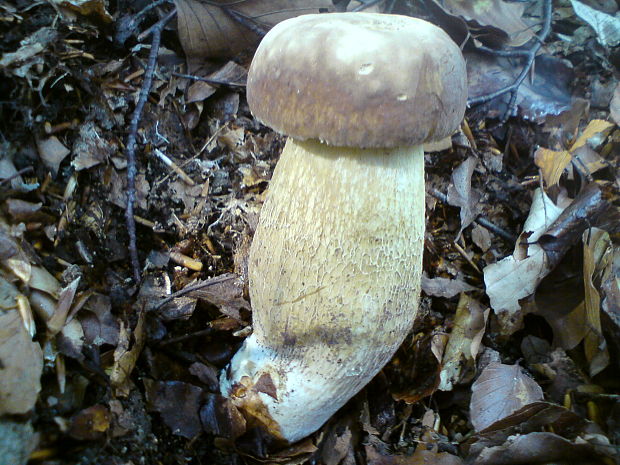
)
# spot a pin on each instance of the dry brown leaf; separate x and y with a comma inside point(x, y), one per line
point(444, 287)
point(52, 152)
point(541, 447)
point(469, 325)
point(206, 30)
point(21, 365)
point(57, 321)
point(517, 276)
point(597, 128)
point(86, 8)
point(178, 403)
point(125, 358)
point(461, 194)
point(614, 106)
point(597, 246)
point(90, 423)
point(499, 391)
point(552, 164)
point(500, 14)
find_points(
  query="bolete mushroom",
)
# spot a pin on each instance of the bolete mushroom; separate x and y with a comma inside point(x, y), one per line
point(335, 263)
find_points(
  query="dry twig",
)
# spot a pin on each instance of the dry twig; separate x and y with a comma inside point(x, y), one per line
point(482, 221)
point(529, 55)
point(130, 148)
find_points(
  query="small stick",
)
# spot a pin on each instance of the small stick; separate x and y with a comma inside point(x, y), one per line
point(461, 251)
point(130, 149)
point(28, 169)
point(195, 287)
point(187, 262)
point(176, 168)
point(530, 56)
point(482, 221)
point(216, 82)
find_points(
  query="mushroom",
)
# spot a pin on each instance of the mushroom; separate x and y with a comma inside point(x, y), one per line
point(335, 262)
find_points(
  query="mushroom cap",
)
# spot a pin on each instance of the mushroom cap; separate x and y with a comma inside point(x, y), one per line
point(358, 80)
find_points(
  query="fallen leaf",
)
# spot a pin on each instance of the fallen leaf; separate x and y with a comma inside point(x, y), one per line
point(178, 403)
point(90, 148)
point(596, 249)
point(499, 391)
point(460, 193)
point(517, 276)
point(546, 96)
point(94, 8)
point(57, 320)
point(462, 349)
point(552, 164)
point(21, 365)
point(499, 14)
point(52, 153)
point(539, 448)
point(210, 30)
point(614, 106)
point(125, 358)
point(221, 418)
point(90, 424)
point(607, 27)
point(589, 208)
point(444, 287)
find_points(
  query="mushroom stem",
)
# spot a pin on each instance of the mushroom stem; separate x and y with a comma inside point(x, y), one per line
point(334, 274)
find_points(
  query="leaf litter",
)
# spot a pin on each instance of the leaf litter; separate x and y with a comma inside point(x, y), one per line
point(512, 358)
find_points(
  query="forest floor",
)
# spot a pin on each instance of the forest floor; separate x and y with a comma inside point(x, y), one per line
point(514, 355)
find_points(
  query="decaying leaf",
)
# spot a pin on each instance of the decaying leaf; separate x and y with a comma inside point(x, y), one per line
point(52, 152)
point(596, 252)
point(607, 27)
point(444, 287)
point(541, 447)
point(545, 96)
point(461, 194)
point(464, 343)
point(178, 403)
point(125, 357)
point(221, 418)
point(90, 423)
point(57, 320)
point(504, 16)
point(95, 8)
point(614, 106)
point(421, 456)
point(21, 365)
point(553, 162)
point(499, 391)
point(589, 208)
point(517, 276)
point(210, 30)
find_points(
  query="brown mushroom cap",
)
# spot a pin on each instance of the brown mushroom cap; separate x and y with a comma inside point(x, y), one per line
point(358, 80)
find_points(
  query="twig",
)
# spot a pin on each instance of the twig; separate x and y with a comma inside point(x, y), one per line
point(195, 287)
point(28, 169)
point(216, 82)
point(529, 55)
point(365, 5)
point(482, 221)
point(249, 23)
point(130, 149)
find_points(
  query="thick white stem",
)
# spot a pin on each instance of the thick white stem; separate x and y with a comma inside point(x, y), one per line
point(334, 273)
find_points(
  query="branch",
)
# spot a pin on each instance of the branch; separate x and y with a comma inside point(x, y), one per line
point(529, 55)
point(130, 147)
